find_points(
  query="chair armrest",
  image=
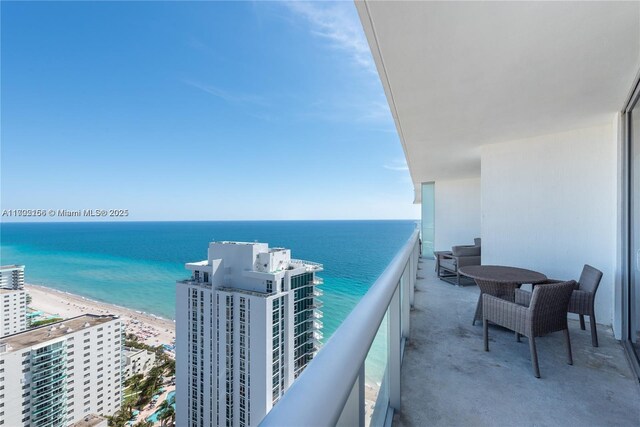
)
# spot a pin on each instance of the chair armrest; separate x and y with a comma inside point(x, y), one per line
point(523, 297)
point(549, 282)
point(505, 313)
point(468, 260)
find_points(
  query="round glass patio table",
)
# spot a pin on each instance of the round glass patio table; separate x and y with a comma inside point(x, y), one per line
point(500, 281)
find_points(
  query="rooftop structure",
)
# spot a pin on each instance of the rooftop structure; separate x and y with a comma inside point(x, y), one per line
point(52, 331)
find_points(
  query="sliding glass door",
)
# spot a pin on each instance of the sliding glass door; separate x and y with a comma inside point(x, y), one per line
point(631, 297)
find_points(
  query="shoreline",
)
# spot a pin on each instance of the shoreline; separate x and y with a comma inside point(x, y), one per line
point(150, 328)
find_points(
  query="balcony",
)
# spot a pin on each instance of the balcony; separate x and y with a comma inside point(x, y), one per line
point(448, 379)
point(437, 373)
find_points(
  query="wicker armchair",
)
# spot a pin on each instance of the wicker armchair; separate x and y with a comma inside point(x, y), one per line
point(532, 315)
point(583, 298)
point(448, 263)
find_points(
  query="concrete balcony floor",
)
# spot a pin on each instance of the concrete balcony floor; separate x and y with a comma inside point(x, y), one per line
point(449, 380)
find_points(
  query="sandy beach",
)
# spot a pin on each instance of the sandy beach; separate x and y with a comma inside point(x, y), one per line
point(150, 329)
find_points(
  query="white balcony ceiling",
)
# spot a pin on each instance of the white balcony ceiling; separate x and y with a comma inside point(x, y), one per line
point(459, 75)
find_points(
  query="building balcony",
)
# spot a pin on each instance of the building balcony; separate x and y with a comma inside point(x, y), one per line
point(436, 371)
point(316, 304)
point(448, 379)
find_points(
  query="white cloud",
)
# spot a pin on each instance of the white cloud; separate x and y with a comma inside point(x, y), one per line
point(397, 165)
point(338, 23)
point(231, 97)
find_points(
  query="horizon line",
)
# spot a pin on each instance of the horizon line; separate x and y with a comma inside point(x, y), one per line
point(206, 220)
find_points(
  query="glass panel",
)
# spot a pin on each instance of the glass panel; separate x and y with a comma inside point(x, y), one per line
point(428, 219)
point(376, 390)
point(634, 294)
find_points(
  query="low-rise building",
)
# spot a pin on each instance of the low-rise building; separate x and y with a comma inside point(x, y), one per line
point(137, 361)
point(58, 374)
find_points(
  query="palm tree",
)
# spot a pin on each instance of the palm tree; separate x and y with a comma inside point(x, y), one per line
point(165, 405)
point(168, 416)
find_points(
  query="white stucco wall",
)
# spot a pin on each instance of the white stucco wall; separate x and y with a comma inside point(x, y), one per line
point(549, 204)
point(457, 212)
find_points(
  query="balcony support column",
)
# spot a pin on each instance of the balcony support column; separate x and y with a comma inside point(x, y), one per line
point(395, 349)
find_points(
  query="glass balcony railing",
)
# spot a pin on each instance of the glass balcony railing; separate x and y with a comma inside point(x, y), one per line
point(48, 360)
point(354, 379)
point(48, 373)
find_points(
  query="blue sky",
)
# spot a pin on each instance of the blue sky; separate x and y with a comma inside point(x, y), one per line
point(197, 111)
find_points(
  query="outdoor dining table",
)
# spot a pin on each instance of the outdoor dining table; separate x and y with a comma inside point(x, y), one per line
point(500, 281)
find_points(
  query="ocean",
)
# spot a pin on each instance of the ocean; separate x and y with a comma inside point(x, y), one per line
point(136, 264)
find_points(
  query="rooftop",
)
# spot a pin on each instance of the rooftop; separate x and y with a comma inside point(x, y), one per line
point(91, 420)
point(226, 242)
point(448, 379)
point(10, 267)
point(52, 331)
point(11, 290)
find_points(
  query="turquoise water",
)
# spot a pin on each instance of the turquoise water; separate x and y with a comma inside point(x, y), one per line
point(136, 264)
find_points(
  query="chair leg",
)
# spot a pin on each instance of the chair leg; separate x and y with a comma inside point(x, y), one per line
point(517, 337)
point(485, 333)
point(478, 314)
point(582, 322)
point(534, 357)
point(568, 342)
point(594, 333)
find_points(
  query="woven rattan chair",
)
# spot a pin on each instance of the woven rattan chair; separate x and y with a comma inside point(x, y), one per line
point(532, 315)
point(583, 298)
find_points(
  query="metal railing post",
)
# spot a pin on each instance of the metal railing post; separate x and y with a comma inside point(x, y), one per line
point(406, 283)
point(395, 350)
point(353, 411)
point(361, 397)
point(414, 272)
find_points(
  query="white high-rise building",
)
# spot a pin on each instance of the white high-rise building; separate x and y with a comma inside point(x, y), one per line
point(247, 324)
point(11, 276)
point(13, 300)
point(58, 374)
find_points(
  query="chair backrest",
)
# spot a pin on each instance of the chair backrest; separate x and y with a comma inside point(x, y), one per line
point(477, 241)
point(590, 279)
point(465, 250)
point(549, 304)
